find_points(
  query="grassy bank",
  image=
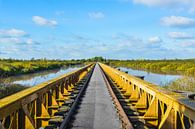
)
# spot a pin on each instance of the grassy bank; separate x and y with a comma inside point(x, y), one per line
point(11, 89)
point(9, 67)
point(182, 84)
point(186, 66)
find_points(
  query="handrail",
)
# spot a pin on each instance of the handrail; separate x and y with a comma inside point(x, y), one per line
point(12, 105)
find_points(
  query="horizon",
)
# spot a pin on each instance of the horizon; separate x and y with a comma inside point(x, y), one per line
point(36, 59)
point(113, 29)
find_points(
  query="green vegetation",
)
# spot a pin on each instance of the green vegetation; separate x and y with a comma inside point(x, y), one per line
point(177, 66)
point(186, 66)
point(11, 89)
point(182, 84)
point(96, 59)
point(10, 67)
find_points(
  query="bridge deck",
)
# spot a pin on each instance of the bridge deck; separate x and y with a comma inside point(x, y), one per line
point(96, 110)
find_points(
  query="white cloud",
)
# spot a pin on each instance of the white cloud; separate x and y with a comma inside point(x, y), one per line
point(12, 32)
point(190, 43)
point(18, 40)
point(10, 40)
point(29, 41)
point(15, 36)
point(188, 5)
point(96, 15)
point(155, 39)
point(163, 3)
point(43, 21)
point(179, 35)
point(178, 21)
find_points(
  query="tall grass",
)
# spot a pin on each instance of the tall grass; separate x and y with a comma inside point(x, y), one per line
point(11, 67)
point(186, 66)
point(182, 84)
point(7, 88)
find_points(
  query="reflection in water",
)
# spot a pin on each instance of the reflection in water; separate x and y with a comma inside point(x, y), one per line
point(158, 79)
point(37, 78)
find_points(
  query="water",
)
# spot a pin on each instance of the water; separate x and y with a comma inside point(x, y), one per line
point(37, 78)
point(158, 79)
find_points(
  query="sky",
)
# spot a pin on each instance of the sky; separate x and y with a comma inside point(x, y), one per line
point(116, 29)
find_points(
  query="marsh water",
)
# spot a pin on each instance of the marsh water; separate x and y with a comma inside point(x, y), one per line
point(37, 78)
point(161, 79)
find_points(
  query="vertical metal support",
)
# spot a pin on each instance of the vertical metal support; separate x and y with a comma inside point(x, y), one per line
point(29, 121)
point(54, 103)
point(125, 85)
point(38, 113)
point(15, 120)
point(12, 124)
point(49, 103)
point(60, 94)
point(151, 116)
point(142, 102)
point(57, 91)
point(129, 89)
point(135, 94)
point(62, 88)
point(69, 85)
point(169, 121)
point(21, 119)
point(74, 80)
point(42, 114)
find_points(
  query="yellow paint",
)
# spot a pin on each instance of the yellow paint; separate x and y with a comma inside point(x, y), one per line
point(143, 93)
point(12, 104)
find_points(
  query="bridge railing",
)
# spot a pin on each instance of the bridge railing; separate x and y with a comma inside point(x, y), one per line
point(159, 108)
point(33, 107)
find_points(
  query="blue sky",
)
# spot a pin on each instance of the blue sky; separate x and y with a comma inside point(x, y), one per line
point(118, 29)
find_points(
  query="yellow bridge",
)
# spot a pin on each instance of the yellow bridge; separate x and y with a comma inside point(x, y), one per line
point(97, 96)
